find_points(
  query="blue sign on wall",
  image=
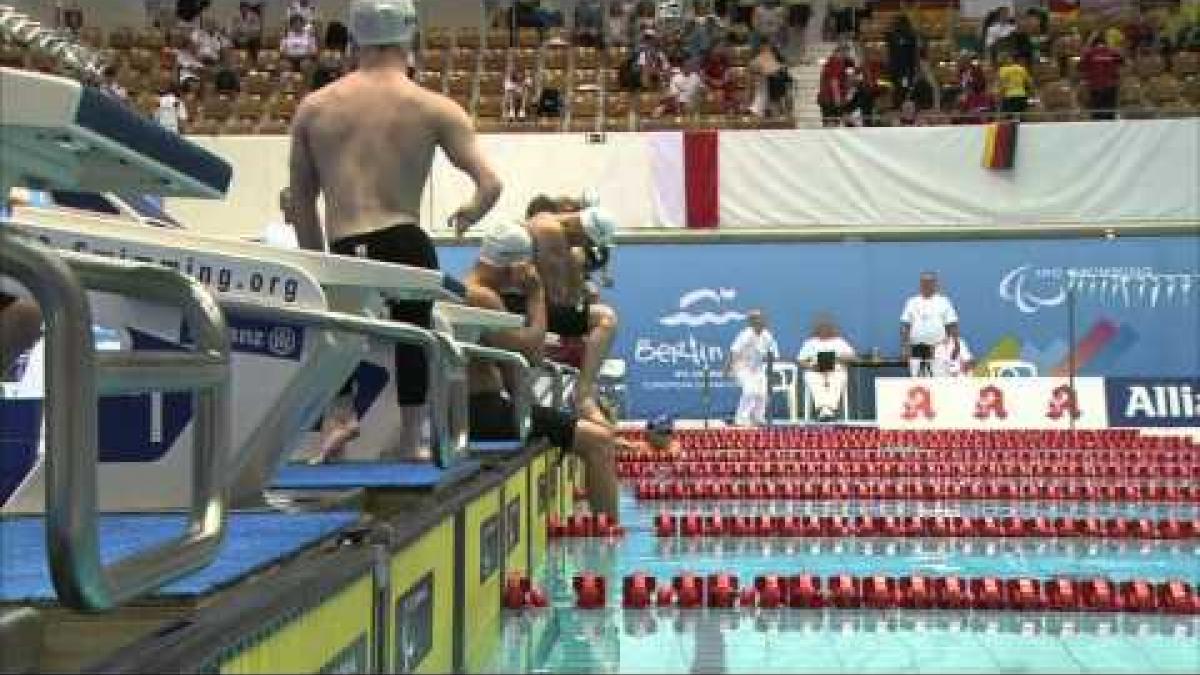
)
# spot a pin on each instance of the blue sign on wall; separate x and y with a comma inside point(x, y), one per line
point(1136, 304)
point(1153, 402)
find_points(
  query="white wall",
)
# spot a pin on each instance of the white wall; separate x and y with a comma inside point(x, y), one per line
point(1113, 173)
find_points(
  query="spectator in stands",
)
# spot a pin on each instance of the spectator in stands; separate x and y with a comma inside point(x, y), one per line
point(618, 24)
point(226, 80)
point(831, 91)
point(996, 28)
point(902, 56)
point(188, 11)
point(651, 63)
point(112, 86)
point(859, 108)
point(208, 42)
point(517, 87)
point(248, 29)
point(327, 70)
point(769, 22)
point(843, 17)
point(305, 9)
point(299, 44)
point(683, 90)
point(1139, 33)
point(701, 37)
point(718, 77)
point(337, 37)
point(910, 115)
point(589, 23)
point(1100, 69)
point(1020, 41)
point(923, 92)
point(799, 15)
point(975, 102)
point(773, 82)
point(171, 113)
point(549, 97)
point(187, 67)
point(825, 376)
point(1015, 85)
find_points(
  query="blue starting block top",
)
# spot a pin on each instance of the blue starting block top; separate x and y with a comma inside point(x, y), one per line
point(253, 541)
point(497, 448)
point(350, 475)
point(59, 134)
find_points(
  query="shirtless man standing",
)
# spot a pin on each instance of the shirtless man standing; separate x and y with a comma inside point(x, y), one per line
point(366, 142)
point(570, 246)
point(505, 266)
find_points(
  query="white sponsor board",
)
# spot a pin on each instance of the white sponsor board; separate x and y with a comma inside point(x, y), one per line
point(991, 403)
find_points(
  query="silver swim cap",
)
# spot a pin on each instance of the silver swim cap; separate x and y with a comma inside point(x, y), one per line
point(383, 23)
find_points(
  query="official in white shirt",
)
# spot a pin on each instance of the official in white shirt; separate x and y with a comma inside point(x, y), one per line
point(825, 387)
point(928, 320)
point(747, 362)
point(281, 233)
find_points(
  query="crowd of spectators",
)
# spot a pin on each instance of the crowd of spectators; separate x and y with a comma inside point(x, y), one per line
point(963, 71)
point(735, 57)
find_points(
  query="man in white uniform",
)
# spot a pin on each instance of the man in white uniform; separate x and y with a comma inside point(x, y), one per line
point(825, 376)
point(747, 362)
point(928, 320)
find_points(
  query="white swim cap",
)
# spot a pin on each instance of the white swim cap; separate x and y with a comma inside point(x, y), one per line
point(600, 226)
point(506, 244)
point(383, 23)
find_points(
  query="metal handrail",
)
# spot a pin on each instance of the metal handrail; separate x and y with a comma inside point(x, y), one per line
point(447, 393)
point(75, 377)
point(559, 373)
point(522, 399)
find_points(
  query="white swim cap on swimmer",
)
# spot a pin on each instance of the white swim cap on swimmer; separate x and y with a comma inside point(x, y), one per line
point(506, 244)
point(600, 226)
point(383, 23)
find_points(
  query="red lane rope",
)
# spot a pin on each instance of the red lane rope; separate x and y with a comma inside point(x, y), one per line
point(690, 591)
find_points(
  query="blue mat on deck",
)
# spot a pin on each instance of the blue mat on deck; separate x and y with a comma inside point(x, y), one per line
point(497, 447)
point(348, 475)
point(253, 541)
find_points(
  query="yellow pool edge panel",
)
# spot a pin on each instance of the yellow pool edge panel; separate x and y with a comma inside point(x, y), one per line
point(335, 636)
point(421, 630)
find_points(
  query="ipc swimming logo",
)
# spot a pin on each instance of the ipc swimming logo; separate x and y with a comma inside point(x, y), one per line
point(1032, 290)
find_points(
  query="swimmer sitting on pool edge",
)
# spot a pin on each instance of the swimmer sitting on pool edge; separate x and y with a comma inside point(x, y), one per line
point(505, 264)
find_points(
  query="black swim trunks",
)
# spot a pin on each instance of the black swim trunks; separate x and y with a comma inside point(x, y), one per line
point(568, 321)
point(405, 244)
point(492, 420)
point(561, 320)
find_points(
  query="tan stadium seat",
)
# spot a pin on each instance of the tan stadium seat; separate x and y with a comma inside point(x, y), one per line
point(585, 77)
point(527, 58)
point(585, 105)
point(495, 59)
point(586, 57)
point(1149, 65)
point(437, 38)
point(1185, 64)
point(617, 105)
point(1045, 70)
point(610, 79)
point(467, 38)
point(461, 59)
point(150, 38)
point(459, 82)
point(555, 59)
point(491, 82)
point(528, 37)
point(490, 106)
point(121, 38)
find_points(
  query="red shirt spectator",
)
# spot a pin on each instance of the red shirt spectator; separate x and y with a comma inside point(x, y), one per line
point(831, 94)
point(1101, 67)
point(717, 77)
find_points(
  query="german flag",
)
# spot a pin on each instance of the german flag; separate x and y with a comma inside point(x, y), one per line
point(1000, 145)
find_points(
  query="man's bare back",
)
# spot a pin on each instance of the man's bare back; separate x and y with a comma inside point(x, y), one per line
point(367, 141)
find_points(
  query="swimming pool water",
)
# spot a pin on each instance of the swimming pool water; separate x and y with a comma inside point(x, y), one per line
point(614, 640)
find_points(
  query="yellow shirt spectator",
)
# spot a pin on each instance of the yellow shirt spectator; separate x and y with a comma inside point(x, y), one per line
point(1115, 38)
point(1015, 81)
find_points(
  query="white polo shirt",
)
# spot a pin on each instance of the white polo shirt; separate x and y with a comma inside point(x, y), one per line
point(750, 350)
point(815, 345)
point(944, 362)
point(928, 318)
